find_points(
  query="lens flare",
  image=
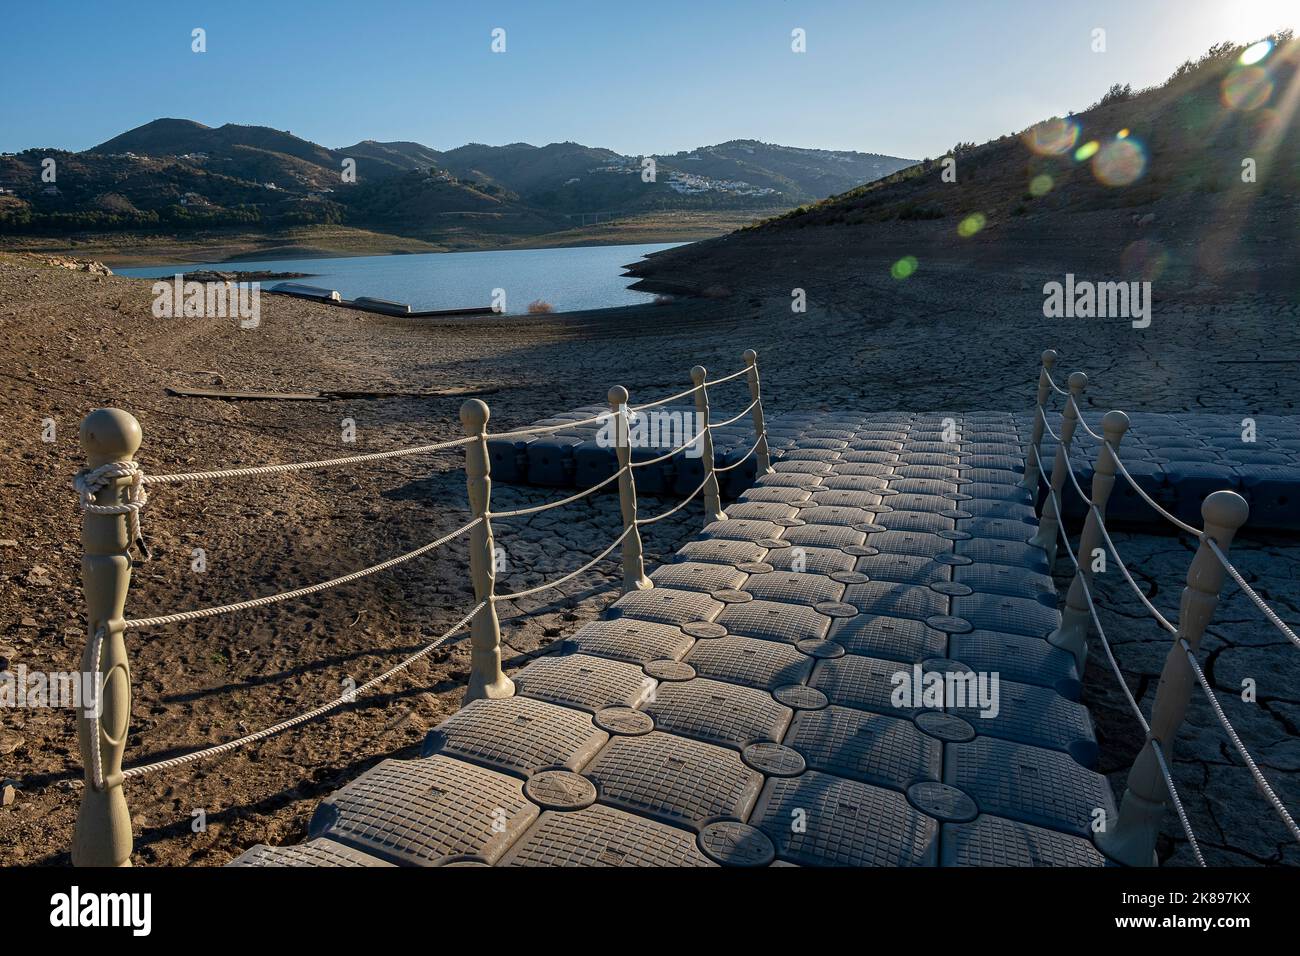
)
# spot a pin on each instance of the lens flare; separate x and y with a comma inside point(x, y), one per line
point(1120, 163)
point(1256, 52)
point(1246, 88)
point(1145, 258)
point(1040, 185)
point(971, 225)
point(1122, 134)
point(1087, 151)
point(904, 267)
point(1053, 137)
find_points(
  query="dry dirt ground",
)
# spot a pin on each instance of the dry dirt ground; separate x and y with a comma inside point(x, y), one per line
point(950, 338)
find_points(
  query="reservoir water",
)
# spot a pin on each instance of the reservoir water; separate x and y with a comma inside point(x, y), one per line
point(581, 277)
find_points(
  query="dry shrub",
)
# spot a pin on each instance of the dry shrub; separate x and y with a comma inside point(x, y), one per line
point(540, 305)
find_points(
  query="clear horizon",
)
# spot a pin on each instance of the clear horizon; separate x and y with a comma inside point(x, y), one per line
point(874, 78)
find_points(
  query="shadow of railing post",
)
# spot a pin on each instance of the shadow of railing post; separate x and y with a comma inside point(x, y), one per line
point(634, 577)
point(109, 438)
point(1072, 634)
point(486, 679)
point(1131, 837)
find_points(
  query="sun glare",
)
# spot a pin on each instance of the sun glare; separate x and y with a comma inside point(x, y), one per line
point(1248, 20)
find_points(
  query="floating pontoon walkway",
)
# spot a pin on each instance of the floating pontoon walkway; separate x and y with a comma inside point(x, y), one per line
point(743, 711)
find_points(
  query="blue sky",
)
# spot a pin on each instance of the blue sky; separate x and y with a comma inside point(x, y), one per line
point(904, 78)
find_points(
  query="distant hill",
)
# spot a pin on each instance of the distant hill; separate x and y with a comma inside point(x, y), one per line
point(180, 174)
point(1158, 173)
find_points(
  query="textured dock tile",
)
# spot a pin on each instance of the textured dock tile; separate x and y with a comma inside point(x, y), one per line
point(698, 576)
point(680, 781)
point(788, 496)
point(1007, 580)
point(903, 569)
point(843, 515)
point(1007, 615)
point(999, 491)
point(754, 663)
point(994, 841)
point(831, 497)
point(773, 621)
point(896, 600)
point(820, 820)
point(870, 488)
point(517, 735)
point(603, 836)
point(423, 812)
point(627, 639)
point(988, 508)
point(792, 480)
point(667, 606)
point(995, 551)
point(312, 853)
point(816, 560)
point(725, 714)
point(823, 536)
point(922, 521)
point(923, 486)
point(916, 543)
point(889, 638)
point(1026, 660)
point(739, 529)
point(906, 502)
point(722, 551)
point(863, 682)
point(590, 683)
point(1030, 784)
point(1039, 717)
point(802, 467)
point(799, 453)
point(794, 587)
point(760, 510)
point(873, 748)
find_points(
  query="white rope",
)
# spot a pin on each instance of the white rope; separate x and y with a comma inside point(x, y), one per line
point(1052, 382)
point(546, 429)
point(298, 592)
point(1236, 742)
point(1147, 498)
point(90, 481)
point(726, 378)
point(736, 464)
point(284, 725)
point(534, 509)
point(572, 574)
point(1042, 414)
point(664, 401)
point(96, 762)
point(1250, 593)
point(680, 448)
point(1128, 695)
point(732, 421)
point(1160, 618)
point(676, 508)
point(1078, 414)
point(303, 465)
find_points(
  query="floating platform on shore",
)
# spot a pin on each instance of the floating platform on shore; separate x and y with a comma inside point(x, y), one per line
point(370, 304)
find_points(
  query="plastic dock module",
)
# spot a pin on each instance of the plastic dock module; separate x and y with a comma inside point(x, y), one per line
point(851, 669)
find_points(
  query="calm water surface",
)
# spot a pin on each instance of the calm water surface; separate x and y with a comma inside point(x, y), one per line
point(583, 277)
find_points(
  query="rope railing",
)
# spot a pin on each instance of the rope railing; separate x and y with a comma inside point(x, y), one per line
point(1128, 695)
point(1132, 837)
point(112, 493)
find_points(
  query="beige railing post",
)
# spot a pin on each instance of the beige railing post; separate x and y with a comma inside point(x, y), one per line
point(486, 678)
point(1072, 635)
point(1050, 521)
point(103, 833)
point(1035, 442)
point(1131, 838)
point(712, 500)
point(762, 456)
point(634, 578)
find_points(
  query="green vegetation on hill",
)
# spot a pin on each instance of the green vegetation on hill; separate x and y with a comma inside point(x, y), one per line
point(178, 175)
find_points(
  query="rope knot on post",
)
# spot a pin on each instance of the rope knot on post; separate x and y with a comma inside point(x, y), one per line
point(89, 482)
